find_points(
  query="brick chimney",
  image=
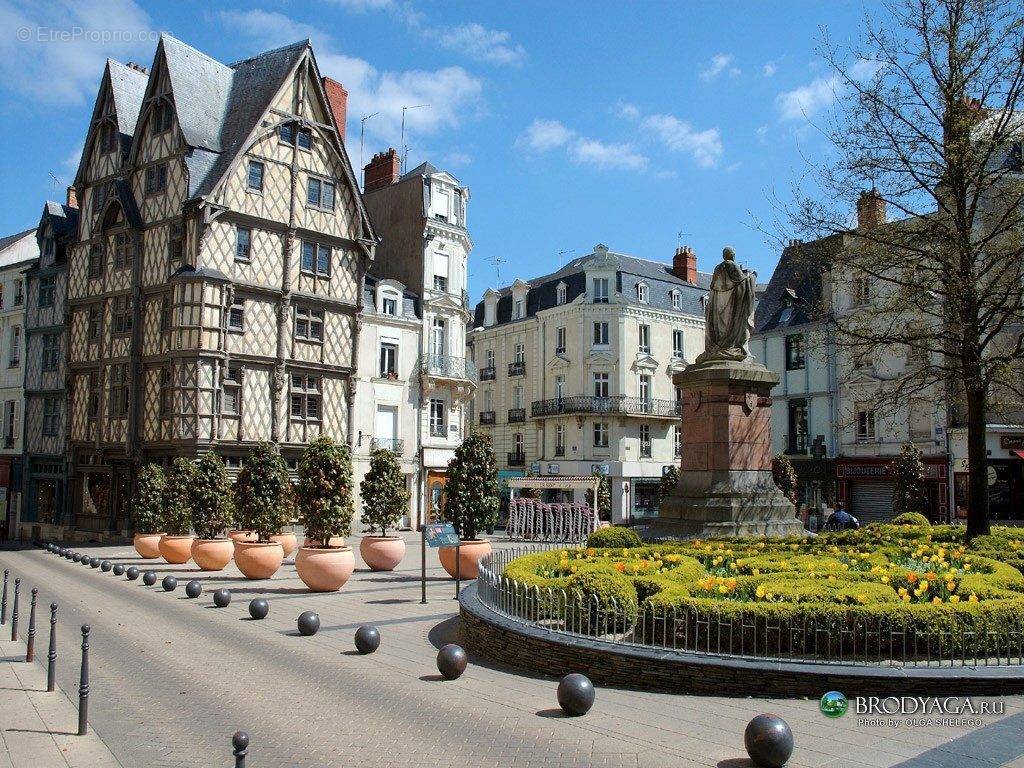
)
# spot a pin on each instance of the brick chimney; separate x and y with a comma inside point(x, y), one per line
point(72, 198)
point(870, 210)
point(381, 171)
point(684, 264)
point(337, 97)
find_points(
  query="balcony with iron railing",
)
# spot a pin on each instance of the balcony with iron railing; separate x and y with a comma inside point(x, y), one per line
point(645, 449)
point(487, 373)
point(517, 368)
point(559, 450)
point(448, 367)
point(392, 444)
point(487, 417)
point(619, 404)
point(516, 415)
point(438, 430)
point(517, 459)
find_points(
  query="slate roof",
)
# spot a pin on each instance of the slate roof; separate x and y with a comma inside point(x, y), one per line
point(410, 300)
point(792, 295)
point(630, 271)
point(423, 169)
point(128, 87)
point(9, 240)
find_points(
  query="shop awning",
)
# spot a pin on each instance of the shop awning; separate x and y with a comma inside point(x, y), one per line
point(1018, 452)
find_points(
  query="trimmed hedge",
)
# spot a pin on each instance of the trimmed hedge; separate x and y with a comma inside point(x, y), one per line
point(614, 536)
point(911, 518)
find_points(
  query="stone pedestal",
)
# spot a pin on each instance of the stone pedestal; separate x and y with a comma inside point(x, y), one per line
point(725, 476)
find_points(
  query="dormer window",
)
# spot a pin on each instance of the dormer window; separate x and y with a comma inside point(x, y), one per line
point(600, 290)
point(156, 179)
point(108, 137)
point(642, 293)
point(677, 299)
point(560, 294)
point(490, 308)
point(389, 304)
point(518, 309)
point(162, 117)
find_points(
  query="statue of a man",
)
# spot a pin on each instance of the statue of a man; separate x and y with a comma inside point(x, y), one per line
point(729, 319)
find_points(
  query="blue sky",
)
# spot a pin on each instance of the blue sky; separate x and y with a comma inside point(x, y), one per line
point(572, 123)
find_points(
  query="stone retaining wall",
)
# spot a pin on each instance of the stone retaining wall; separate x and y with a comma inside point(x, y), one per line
point(490, 635)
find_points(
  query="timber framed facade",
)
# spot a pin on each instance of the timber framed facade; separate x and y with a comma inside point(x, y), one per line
point(215, 279)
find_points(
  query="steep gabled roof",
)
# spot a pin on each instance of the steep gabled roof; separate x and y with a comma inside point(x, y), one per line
point(62, 219)
point(127, 88)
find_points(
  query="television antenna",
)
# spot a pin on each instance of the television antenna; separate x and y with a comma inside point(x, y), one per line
point(405, 149)
point(362, 132)
point(497, 261)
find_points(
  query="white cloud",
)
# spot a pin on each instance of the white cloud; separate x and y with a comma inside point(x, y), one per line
point(542, 135)
point(719, 63)
point(477, 42)
point(452, 93)
point(597, 154)
point(680, 136)
point(457, 159)
point(55, 52)
point(626, 110)
point(807, 101)
point(769, 69)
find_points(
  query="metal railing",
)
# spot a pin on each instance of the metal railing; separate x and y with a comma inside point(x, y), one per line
point(516, 415)
point(518, 368)
point(487, 417)
point(487, 373)
point(633, 406)
point(392, 444)
point(517, 459)
point(448, 367)
point(881, 641)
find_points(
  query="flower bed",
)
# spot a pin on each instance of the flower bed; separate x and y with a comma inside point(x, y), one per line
point(857, 593)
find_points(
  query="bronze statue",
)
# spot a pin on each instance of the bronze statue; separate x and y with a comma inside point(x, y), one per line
point(729, 317)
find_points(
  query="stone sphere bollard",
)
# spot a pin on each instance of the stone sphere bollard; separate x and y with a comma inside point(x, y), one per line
point(769, 741)
point(367, 639)
point(118, 569)
point(309, 623)
point(575, 694)
point(193, 589)
point(94, 562)
point(169, 583)
point(222, 597)
point(106, 565)
point(452, 661)
point(77, 557)
point(149, 578)
point(131, 572)
point(259, 608)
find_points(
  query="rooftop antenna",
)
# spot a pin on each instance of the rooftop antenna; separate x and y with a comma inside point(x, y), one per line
point(497, 261)
point(56, 181)
point(561, 256)
point(362, 132)
point(679, 238)
point(405, 149)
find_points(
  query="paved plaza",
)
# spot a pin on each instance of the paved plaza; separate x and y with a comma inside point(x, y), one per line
point(173, 678)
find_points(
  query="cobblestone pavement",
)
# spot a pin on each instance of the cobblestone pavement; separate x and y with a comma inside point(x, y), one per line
point(173, 678)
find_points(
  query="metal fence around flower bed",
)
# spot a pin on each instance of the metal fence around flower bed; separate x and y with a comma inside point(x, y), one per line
point(953, 641)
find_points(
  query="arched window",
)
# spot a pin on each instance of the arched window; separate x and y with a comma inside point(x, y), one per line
point(641, 292)
point(677, 299)
point(560, 294)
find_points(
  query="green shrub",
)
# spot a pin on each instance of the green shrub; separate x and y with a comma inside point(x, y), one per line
point(147, 506)
point(324, 490)
point(263, 493)
point(615, 536)
point(602, 603)
point(383, 491)
point(211, 497)
point(178, 497)
point(911, 518)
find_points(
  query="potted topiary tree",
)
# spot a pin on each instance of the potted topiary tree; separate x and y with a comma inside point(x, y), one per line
point(147, 511)
point(384, 499)
point(471, 503)
point(211, 511)
point(179, 484)
point(324, 494)
point(263, 505)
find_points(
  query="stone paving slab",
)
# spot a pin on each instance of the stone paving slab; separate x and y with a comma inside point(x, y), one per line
point(173, 678)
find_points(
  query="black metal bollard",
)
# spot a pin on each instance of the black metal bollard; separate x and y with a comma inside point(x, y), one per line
point(83, 685)
point(3, 604)
point(14, 613)
point(240, 742)
point(51, 655)
point(30, 650)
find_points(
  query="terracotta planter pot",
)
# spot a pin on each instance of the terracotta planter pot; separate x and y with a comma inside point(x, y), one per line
point(236, 535)
point(213, 554)
point(287, 540)
point(176, 549)
point(258, 560)
point(335, 541)
point(147, 544)
point(382, 553)
point(325, 570)
point(470, 552)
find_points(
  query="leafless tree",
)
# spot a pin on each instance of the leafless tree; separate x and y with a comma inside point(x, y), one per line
point(928, 117)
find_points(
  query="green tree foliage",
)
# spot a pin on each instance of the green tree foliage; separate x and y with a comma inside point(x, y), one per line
point(211, 497)
point(784, 475)
point(147, 506)
point(603, 505)
point(263, 493)
point(669, 480)
point(383, 491)
point(908, 471)
point(471, 493)
point(324, 491)
point(178, 497)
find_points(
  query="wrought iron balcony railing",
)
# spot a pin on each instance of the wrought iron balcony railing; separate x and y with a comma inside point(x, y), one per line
point(386, 444)
point(517, 459)
point(448, 367)
point(559, 450)
point(517, 368)
point(516, 415)
point(438, 430)
point(487, 417)
point(487, 374)
point(620, 404)
point(645, 449)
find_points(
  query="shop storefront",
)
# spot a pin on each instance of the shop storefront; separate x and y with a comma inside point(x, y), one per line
point(865, 487)
point(1005, 472)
